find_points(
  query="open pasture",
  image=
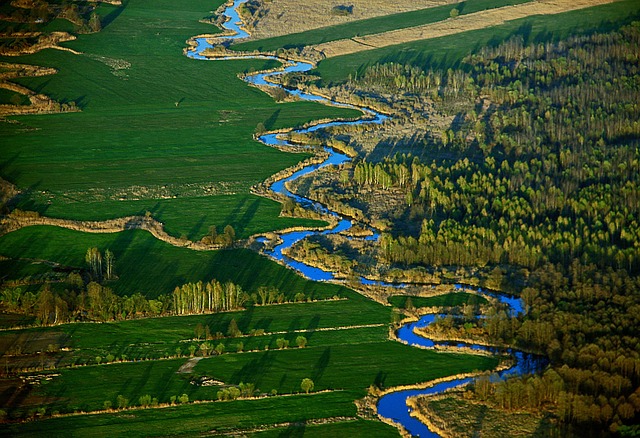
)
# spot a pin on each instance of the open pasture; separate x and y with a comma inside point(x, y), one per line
point(197, 418)
point(175, 140)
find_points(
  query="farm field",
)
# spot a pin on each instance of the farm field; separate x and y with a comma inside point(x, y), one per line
point(223, 417)
point(140, 257)
point(126, 148)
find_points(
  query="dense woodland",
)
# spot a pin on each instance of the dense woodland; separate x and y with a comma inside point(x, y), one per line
point(551, 164)
point(542, 175)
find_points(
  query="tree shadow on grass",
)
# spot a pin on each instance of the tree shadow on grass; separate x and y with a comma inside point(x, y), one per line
point(111, 16)
point(296, 429)
point(381, 377)
point(247, 217)
point(162, 385)
point(271, 121)
point(321, 365)
point(234, 216)
point(253, 371)
point(313, 325)
point(136, 389)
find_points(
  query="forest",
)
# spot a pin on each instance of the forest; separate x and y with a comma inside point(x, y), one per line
point(540, 174)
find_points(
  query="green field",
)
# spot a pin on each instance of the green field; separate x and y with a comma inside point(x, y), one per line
point(175, 140)
point(188, 216)
point(131, 338)
point(196, 418)
point(372, 25)
point(140, 257)
point(442, 53)
point(339, 366)
point(336, 365)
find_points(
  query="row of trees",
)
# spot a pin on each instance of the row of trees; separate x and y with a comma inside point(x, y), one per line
point(208, 297)
point(95, 302)
point(100, 267)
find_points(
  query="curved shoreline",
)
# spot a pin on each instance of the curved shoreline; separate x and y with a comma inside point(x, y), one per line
point(278, 187)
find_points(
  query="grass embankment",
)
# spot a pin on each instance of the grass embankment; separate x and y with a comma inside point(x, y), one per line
point(371, 26)
point(448, 51)
point(175, 140)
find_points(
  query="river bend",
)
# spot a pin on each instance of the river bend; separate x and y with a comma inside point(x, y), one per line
point(392, 405)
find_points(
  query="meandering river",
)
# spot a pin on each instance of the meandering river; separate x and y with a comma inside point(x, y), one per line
point(393, 405)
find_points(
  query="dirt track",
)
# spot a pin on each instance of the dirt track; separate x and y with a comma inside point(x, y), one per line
point(478, 20)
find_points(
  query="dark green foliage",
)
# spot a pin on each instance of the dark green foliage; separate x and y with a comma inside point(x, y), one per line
point(552, 172)
point(453, 299)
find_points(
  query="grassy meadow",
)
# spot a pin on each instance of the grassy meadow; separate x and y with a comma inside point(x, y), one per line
point(193, 419)
point(140, 258)
point(177, 141)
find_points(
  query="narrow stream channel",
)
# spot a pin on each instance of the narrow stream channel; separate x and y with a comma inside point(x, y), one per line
point(394, 404)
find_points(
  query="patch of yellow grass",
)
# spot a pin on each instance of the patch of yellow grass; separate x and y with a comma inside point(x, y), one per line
point(290, 16)
point(464, 23)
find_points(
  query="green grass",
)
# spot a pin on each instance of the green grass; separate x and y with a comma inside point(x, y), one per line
point(339, 366)
point(351, 367)
point(132, 338)
point(194, 418)
point(13, 98)
point(131, 134)
point(372, 25)
point(189, 216)
point(452, 299)
point(363, 428)
point(449, 51)
point(152, 267)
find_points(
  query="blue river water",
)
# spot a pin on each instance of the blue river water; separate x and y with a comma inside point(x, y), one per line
point(393, 405)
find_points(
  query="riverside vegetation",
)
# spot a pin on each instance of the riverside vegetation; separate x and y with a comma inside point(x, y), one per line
point(493, 187)
point(535, 183)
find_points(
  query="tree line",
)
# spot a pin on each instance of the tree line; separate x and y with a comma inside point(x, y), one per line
point(96, 302)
